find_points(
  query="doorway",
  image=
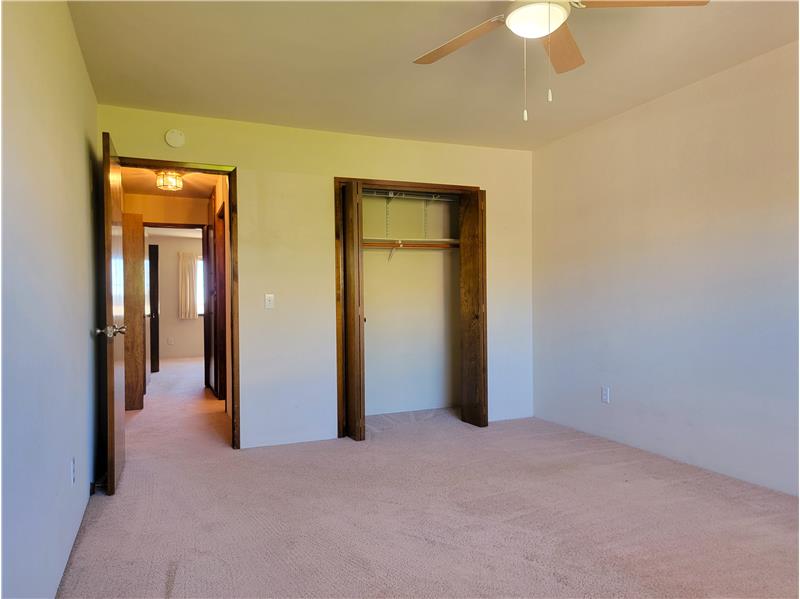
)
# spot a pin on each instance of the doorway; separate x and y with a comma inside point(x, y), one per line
point(460, 230)
point(175, 254)
point(215, 220)
point(131, 323)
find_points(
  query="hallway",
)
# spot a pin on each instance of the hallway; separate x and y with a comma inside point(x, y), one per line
point(180, 414)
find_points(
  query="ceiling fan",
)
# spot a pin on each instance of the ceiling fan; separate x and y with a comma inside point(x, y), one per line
point(545, 20)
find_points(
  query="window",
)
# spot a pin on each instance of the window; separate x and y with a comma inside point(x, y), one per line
point(200, 288)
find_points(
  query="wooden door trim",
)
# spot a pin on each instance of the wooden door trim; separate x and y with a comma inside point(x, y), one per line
point(353, 312)
point(472, 301)
point(466, 194)
point(150, 225)
point(200, 167)
point(409, 185)
point(233, 223)
point(340, 347)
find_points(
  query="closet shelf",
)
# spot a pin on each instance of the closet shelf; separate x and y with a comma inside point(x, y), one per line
point(410, 244)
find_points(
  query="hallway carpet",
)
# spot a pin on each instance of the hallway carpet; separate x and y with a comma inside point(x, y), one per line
point(427, 506)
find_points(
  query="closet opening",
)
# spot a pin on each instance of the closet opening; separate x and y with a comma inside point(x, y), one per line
point(411, 300)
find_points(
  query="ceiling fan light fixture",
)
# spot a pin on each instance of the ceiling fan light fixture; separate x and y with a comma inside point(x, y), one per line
point(169, 180)
point(537, 19)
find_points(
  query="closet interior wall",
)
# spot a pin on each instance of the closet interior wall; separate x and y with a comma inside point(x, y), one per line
point(411, 301)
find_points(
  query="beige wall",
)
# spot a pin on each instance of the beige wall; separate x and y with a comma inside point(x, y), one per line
point(665, 266)
point(286, 247)
point(178, 338)
point(174, 210)
point(49, 136)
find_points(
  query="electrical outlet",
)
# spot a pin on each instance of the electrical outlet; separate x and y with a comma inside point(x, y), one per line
point(73, 473)
point(269, 301)
point(170, 340)
point(605, 394)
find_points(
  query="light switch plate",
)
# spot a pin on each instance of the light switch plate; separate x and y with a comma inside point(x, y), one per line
point(605, 394)
point(269, 301)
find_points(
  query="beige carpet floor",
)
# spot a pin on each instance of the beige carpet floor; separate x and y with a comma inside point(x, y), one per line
point(427, 506)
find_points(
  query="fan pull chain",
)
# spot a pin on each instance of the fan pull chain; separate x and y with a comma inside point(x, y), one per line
point(549, 49)
point(525, 79)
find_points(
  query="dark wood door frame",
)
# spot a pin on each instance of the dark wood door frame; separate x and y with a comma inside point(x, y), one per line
point(353, 313)
point(472, 290)
point(472, 294)
point(233, 229)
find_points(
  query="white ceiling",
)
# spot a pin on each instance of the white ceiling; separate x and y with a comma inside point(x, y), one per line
point(143, 180)
point(347, 66)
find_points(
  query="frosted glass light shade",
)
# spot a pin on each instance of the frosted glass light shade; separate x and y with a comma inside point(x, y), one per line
point(537, 19)
point(169, 181)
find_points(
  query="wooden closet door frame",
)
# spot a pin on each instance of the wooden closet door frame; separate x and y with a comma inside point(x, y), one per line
point(472, 291)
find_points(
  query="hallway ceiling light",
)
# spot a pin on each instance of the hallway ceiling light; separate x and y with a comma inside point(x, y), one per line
point(169, 180)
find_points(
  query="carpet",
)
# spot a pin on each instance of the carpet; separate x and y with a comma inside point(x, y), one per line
point(427, 506)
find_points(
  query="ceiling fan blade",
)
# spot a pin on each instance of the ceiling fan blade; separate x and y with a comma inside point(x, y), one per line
point(562, 49)
point(641, 3)
point(461, 40)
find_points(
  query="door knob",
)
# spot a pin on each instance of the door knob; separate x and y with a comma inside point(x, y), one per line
point(108, 332)
point(112, 330)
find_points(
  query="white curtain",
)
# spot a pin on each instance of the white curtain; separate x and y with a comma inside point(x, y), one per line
point(187, 287)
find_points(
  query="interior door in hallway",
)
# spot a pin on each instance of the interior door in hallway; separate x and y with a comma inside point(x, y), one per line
point(133, 268)
point(155, 308)
point(209, 343)
point(111, 283)
point(221, 306)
